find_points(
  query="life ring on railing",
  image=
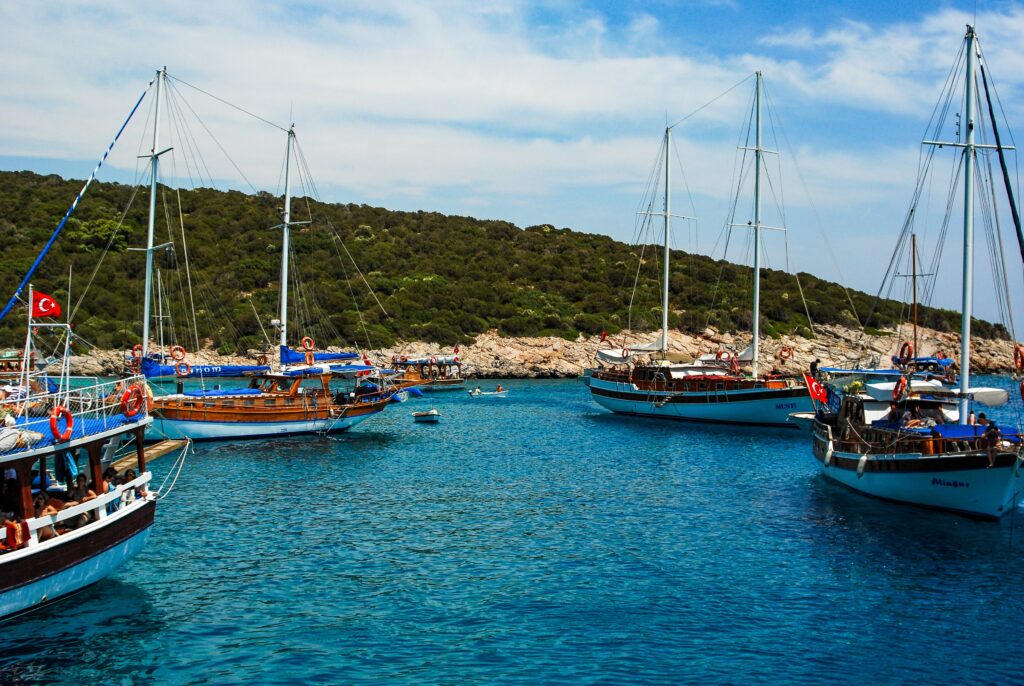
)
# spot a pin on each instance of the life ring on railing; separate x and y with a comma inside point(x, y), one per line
point(310, 359)
point(626, 352)
point(906, 351)
point(261, 360)
point(132, 401)
point(785, 353)
point(940, 355)
point(723, 355)
point(183, 368)
point(177, 353)
point(1018, 357)
point(308, 343)
point(899, 389)
point(137, 353)
point(55, 414)
point(404, 359)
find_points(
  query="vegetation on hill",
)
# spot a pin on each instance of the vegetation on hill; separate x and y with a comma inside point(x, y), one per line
point(438, 278)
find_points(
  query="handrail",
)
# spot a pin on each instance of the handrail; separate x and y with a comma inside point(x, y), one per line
point(98, 504)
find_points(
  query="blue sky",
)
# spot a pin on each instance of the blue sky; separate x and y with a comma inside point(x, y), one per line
point(532, 112)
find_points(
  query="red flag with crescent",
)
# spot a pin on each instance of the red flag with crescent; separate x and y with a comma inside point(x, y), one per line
point(44, 305)
point(816, 390)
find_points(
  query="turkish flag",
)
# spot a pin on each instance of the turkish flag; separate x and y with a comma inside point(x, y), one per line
point(816, 390)
point(44, 306)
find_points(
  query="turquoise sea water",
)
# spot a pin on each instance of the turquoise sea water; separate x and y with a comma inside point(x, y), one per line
point(536, 539)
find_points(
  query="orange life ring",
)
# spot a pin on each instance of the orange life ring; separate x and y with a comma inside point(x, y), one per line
point(1018, 357)
point(132, 401)
point(183, 368)
point(899, 389)
point(55, 414)
point(906, 351)
point(177, 353)
point(308, 343)
point(785, 353)
point(310, 359)
point(261, 360)
point(724, 355)
point(137, 352)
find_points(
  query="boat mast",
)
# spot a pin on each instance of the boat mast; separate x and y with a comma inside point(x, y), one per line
point(154, 164)
point(668, 220)
point(913, 277)
point(965, 321)
point(286, 223)
point(757, 226)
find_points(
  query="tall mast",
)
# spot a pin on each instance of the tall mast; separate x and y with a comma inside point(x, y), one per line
point(668, 228)
point(757, 225)
point(285, 226)
point(154, 157)
point(968, 296)
point(913, 277)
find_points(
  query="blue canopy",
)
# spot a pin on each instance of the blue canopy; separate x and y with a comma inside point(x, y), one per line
point(216, 392)
point(154, 370)
point(289, 356)
point(334, 368)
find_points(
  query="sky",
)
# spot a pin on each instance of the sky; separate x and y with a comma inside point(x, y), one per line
point(548, 112)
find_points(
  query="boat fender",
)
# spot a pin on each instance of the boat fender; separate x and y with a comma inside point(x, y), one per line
point(906, 351)
point(899, 389)
point(860, 465)
point(58, 412)
point(183, 368)
point(310, 359)
point(177, 353)
point(308, 343)
point(829, 452)
point(1018, 357)
point(132, 400)
point(785, 353)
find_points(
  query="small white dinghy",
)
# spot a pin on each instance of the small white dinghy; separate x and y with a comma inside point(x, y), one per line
point(428, 417)
point(477, 393)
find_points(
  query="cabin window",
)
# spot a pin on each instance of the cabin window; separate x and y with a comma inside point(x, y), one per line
point(250, 403)
point(227, 403)
point(702, 386)
point(270, 403)
point(719, 386)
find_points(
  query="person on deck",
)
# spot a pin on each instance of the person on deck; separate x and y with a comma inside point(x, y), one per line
point(814, 368)
point(894, 416)
point(991, 441)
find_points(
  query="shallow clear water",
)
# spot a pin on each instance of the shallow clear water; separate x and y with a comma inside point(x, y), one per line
point(536, 539)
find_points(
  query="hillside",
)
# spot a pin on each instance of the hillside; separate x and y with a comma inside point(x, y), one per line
point(443, 279)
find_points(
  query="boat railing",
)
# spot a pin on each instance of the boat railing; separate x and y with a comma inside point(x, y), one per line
point(96, 509)
point(70, 414)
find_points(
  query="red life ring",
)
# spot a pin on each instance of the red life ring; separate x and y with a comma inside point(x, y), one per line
point(183, 368)
point(137, 352)
point(261, 360)
point(404, 358)
point(1018, 357)
point(785, 353)
point(724, 355)
point(132, 401)
point(899, 388)
point(310, 359)
point(906, 351)
point(177, 353)
point(308, 343)
point(56, 414)
point(940, 355)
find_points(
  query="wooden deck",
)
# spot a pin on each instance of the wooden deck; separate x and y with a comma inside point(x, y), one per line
point(153, 451)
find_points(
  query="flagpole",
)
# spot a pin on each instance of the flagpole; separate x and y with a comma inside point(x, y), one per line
point(25, 361)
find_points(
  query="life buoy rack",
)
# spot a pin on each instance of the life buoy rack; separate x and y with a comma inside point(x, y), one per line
point(183, 368)
point(177, 353)
point(899, 389)
point(261, 360)
point(55, 415)
point(785, 353)
point(1018, 357)
point(308, 343)
point(132, 401)
point(906, 351)
point(310, 359)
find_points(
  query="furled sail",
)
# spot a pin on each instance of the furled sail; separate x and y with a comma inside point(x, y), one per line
point(289, 356)
point(152, 369)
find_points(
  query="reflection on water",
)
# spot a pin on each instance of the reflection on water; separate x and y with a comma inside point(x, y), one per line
point(534, 539)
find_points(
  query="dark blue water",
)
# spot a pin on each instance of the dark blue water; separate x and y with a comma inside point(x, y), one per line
point(536, 539)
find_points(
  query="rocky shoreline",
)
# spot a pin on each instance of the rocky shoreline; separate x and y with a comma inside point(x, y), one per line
point(494, 356)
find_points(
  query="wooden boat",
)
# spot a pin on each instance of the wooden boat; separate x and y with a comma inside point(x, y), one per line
point(965, 468)
point(708, 390)
point(435, 373)
point(428, 417)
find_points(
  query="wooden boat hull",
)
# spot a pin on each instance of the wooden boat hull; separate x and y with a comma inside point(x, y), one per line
point(957, 482)
point(211, 430)
point(750, 406)
point(438, 385)
point(66, 564)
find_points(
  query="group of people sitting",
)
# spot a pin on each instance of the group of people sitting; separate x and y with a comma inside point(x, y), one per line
point(44, 504)
point(913, 417)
